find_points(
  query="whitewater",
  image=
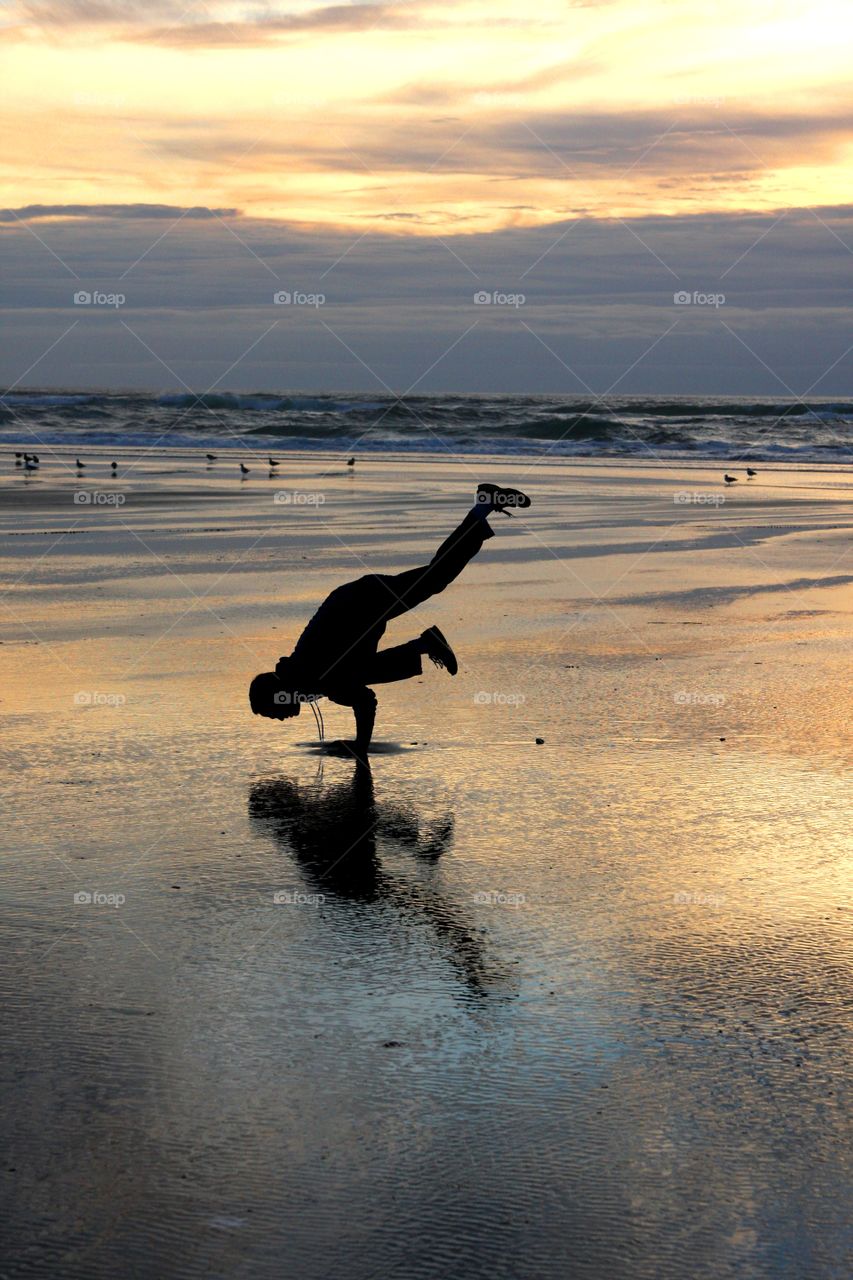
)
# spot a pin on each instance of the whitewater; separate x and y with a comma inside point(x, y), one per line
point(749, 429)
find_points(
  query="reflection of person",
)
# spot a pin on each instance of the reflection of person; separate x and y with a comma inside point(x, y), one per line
point(337, 656)
point(335, 834)
point(333, 830)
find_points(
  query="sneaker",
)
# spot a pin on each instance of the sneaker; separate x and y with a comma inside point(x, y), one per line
point(439, 651)
point(496, 498)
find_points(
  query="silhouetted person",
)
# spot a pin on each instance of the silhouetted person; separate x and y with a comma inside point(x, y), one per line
point(338, 656)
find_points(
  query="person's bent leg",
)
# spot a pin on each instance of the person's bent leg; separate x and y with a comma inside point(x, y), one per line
point(401, 662)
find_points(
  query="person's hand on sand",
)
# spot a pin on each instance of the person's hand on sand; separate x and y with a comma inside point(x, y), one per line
point(348, 748)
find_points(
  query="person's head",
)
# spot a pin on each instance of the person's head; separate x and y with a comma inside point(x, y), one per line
point(269, 696)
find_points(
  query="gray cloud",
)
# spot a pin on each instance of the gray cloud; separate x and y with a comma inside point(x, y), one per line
point(34, 212)
point(197, 24)
point(361, 17)
point(433, 94)
point(599, 294)
point(69, 13)
point(693, 145)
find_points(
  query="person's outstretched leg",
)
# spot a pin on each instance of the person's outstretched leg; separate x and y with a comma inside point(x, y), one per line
point(408, 589)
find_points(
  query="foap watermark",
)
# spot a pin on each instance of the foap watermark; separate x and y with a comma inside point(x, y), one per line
point(97, 899)
point(289, 698)
point(698, 698)
point(95, 698)
point(495, 298)
point(98, 498)
point(497, 898)
point(684, 298)
point(693, 898)
point(498, 698)
point(687, 497)
point(293, 899)
point(293, 298)
point(94, 298)
point(297, 498)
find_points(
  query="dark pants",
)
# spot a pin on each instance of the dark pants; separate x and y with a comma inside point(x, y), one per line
point(340, 643)
point(398, 663)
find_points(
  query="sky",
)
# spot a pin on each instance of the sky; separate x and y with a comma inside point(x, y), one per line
point(378, 166)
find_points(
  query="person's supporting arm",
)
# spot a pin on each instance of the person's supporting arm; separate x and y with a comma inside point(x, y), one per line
point(365, 716)
point(363, 702)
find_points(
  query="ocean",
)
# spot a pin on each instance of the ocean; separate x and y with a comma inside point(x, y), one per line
point(734, 428)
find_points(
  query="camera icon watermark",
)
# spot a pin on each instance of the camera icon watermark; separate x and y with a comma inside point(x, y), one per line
point(85, 298)
point(496, 898)
point(686, 497)
point(95, 698)
point(495, 298)
point(97, 899)
point(288, 298)
point(499, 698)
point(684, 298)
point(291, 698)
point(290, 898)
point(98, 498)
point(295, 498)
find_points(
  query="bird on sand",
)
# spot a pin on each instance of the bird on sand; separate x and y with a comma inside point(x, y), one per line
point(273, 462)
point(244, 469)
point(351, 462)
point(211, 457)
point(751, 473)
point(730, 479)
point(80, 465)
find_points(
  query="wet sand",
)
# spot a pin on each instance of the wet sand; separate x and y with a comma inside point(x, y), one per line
point(505, 1009)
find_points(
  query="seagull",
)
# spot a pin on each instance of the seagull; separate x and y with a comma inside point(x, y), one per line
point(730, 479)
point(18, 455)
point(211, 457)
point(36, 459)
point(351, 462)
point(30, 466)
point(751, 473)
point(245, 470)
point(80, 465)
point(273, 462)
point(114, 466)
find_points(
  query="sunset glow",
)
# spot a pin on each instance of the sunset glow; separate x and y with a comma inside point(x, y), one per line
point(429, 117)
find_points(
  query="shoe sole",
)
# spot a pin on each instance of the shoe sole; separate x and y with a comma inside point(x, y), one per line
point(501, 498)
point(451, 656)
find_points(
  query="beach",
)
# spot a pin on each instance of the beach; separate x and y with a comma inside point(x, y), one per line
point(507, 1008)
